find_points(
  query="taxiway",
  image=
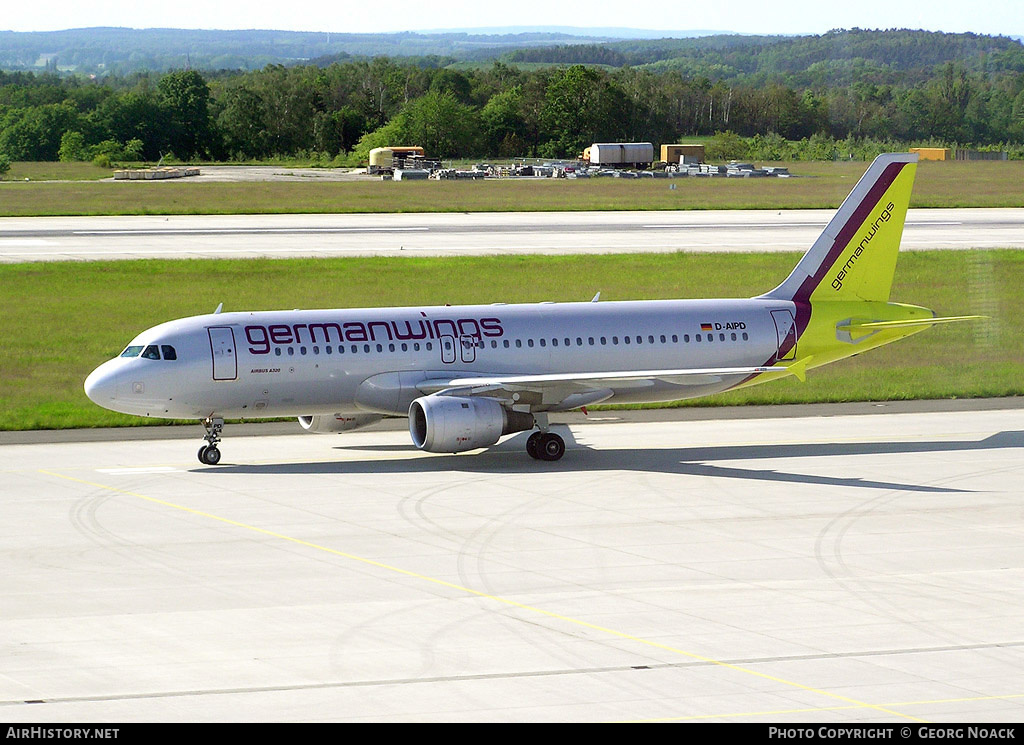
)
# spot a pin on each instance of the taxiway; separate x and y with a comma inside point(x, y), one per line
point(817, 567)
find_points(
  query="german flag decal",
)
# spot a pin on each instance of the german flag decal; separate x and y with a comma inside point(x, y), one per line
point(705, 327)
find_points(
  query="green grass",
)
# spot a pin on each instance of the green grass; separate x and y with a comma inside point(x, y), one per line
point(819, 185)
point(62, 319)
point(47, 171)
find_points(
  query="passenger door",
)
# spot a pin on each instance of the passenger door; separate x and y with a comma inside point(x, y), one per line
point(785, 329)
point(222, 350)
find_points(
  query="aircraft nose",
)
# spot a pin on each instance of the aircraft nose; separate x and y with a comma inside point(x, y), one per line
point(101, 385)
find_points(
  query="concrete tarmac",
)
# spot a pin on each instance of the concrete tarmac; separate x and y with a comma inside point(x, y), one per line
point(836, 568)
point(442, 234)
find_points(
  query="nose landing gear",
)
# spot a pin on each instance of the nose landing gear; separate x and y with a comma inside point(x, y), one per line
point(210, 454)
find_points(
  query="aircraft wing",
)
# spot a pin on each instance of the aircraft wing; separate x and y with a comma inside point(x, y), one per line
point(564, 391)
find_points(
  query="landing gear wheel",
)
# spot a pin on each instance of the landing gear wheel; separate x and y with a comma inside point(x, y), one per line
point(551, 447)
point(533, 445)
point(209, 454)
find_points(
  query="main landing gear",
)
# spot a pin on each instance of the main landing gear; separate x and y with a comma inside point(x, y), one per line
point(545, 446)
point(210, 454)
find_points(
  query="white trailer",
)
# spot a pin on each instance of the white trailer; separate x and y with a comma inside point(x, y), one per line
point(622, 154)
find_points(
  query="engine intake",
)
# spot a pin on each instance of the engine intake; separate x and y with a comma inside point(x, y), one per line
point(452, 424)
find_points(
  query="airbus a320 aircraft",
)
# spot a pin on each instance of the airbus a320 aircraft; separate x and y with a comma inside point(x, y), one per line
point(467, 375)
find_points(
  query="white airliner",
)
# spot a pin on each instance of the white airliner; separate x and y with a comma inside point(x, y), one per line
point(467, 375)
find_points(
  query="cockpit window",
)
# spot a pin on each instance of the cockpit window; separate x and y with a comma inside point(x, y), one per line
point(151, 352)
point(132, 352)
point(168, 352)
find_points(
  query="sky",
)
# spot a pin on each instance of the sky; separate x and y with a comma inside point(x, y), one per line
point(740, 16)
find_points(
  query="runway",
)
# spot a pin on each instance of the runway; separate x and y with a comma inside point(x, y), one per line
point(816, 567)
point(276, 236)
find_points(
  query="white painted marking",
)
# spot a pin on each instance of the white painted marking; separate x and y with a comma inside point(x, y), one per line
point(254, 231)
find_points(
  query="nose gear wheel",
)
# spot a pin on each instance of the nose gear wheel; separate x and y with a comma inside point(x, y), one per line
point(209, 454)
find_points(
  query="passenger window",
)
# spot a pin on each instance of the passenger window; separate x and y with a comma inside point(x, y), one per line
point(168, 352)
point(151, 352)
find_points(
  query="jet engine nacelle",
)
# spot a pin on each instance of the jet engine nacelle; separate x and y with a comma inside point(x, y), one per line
point(450, 424)
point(324, 424)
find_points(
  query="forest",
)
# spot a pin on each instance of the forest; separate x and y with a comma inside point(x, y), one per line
point(844, 93)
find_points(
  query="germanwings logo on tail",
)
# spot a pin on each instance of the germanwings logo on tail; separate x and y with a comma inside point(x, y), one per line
point(854, 258)
point(883, 218)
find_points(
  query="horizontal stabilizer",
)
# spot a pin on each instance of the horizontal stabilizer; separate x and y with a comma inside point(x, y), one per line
point(909, 323)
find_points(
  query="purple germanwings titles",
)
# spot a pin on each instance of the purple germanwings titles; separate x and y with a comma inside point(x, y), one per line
point(262, 338)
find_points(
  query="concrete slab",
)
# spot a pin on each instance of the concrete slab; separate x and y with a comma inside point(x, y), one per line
point(446, 234)
point(818, 568)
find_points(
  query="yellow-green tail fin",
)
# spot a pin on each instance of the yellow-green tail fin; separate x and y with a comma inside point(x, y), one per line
point(855, 256)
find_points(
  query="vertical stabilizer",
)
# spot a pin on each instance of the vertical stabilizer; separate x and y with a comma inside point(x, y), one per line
point(855, 257)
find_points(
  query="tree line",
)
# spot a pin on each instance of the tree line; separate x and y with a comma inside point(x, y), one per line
point(338, 112)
